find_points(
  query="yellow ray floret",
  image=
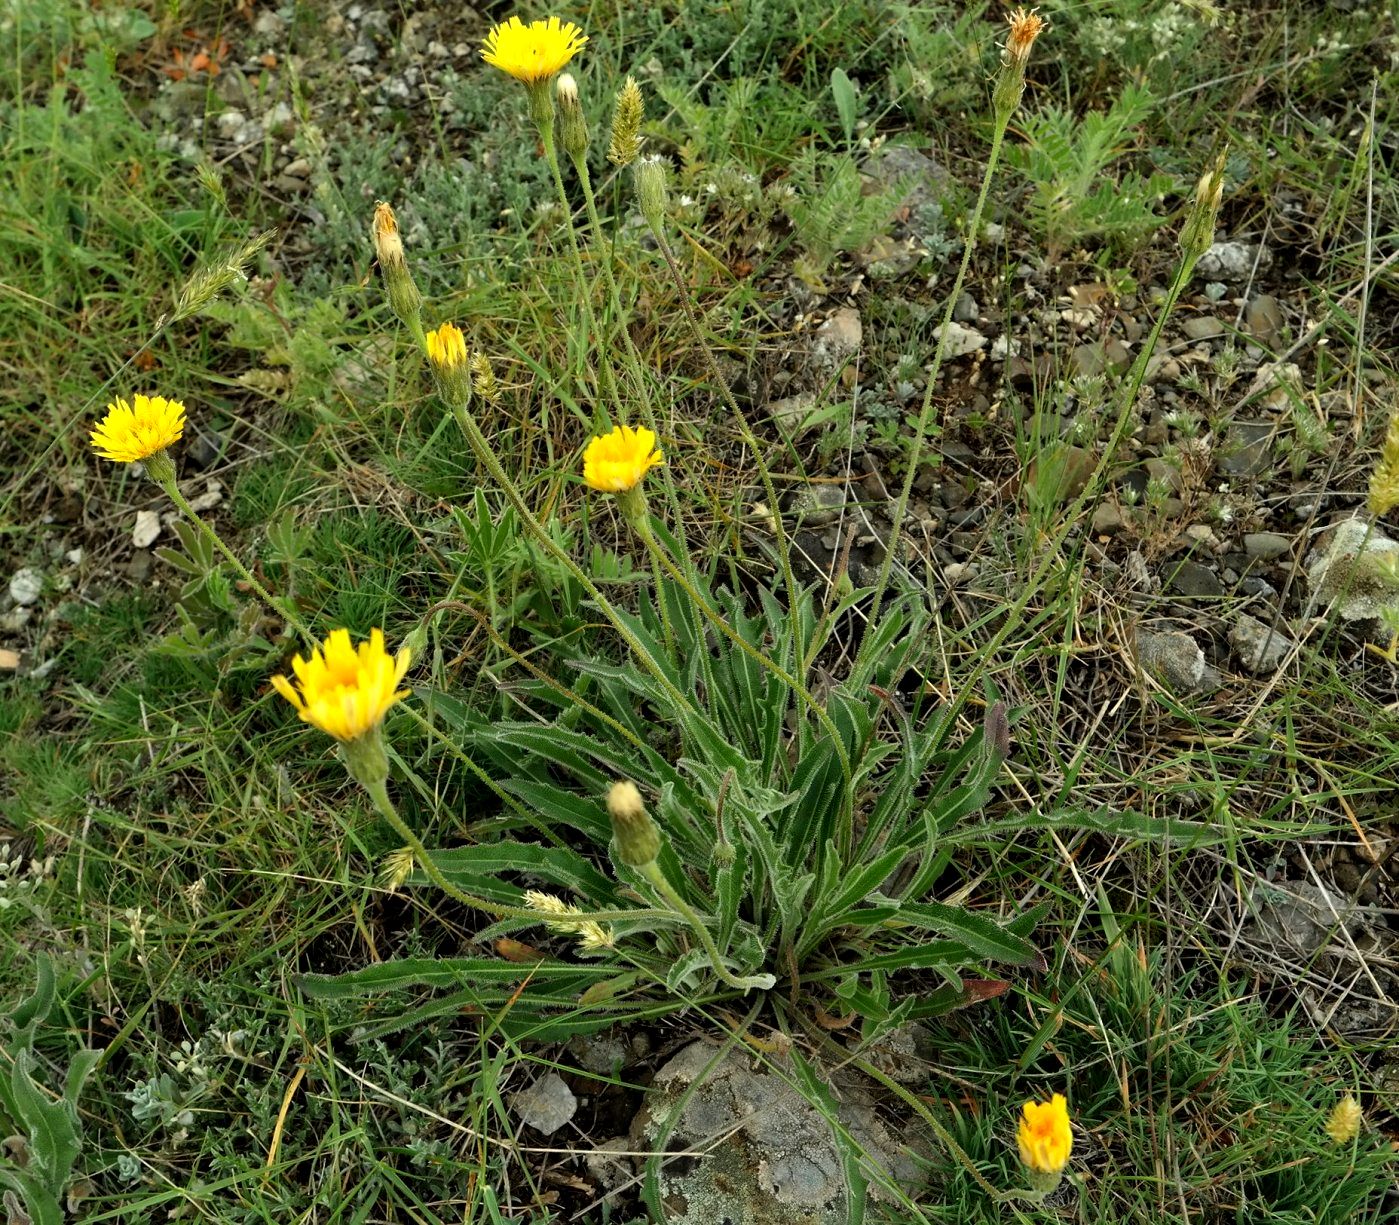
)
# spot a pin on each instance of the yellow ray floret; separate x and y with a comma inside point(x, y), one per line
point(346, 691)
point(446, 347)
point(535, 52)
point(1045, 1136)
point(132, 431)
point(617, 461)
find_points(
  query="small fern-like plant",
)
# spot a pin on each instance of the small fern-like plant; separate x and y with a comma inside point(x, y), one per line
point(831, 213)
point(1078, 194)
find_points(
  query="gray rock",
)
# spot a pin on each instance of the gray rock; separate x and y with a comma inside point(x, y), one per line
point(1195, 581)
point(1108, 519)
point(1203, 327)
point(1097, 357)
point(1232, 261)
point(818, 504)
point(1177, 661)
point(795, 413)
point(779, 1162)
point(1274, 385)
point(1292, 917)
point(1260, 649)
point(1264, 546)
point(1246, 449)
point(967, 310)
point(1263, 320)
point(1357, 570)
point(546, 1105)
point(961, 340)
point(840, 336)
point(923, 177)
point(26, 586)
point(147, 529)
point(203, 448)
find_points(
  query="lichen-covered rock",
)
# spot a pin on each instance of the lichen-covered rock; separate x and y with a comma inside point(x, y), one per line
point(1357, 571)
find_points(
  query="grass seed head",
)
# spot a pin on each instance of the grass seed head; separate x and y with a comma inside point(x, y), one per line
point(625, 144)
point(1344, 1124)
point(1384, 481)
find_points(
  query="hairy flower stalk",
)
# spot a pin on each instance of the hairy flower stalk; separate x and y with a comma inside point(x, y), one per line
point(402, 291)
point(630, 110)
point(143, 430)
point(637, 841)
point(1025, 28)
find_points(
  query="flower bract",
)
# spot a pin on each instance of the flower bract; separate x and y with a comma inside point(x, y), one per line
point(617, 461)
point(345, 690)
point(138, 429)
point(535, 52)
point(1045, 1136)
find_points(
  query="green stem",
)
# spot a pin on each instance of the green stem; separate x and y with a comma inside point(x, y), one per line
point(784, 551)
point(605, 374)
point(920, 431)
point(762, 982)
point(284, 610)
point(486, 454)
point(763, 660)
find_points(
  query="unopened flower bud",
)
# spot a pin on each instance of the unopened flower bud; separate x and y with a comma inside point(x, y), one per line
point(1198, 231)
point(573, 125)
point(403, 294)
point(652, 192)
point(637, 838)
point(625, 144)
point(446, 350)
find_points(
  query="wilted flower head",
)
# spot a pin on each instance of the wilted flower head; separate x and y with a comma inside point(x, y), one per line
point(346, 691)
point(637, 838)
point(616, 462)
point(626, 125)
point(1344, 1124)
point(1024, 29)
point(535, 52)
point(403, 293)
point(138, 429)
point(573, 125)
point(1045, 1136)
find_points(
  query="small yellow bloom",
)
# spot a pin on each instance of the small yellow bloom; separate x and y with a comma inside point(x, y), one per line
point(1045, 1136)
point(345, 691)
point(130, 432)
point(535, 52)
point(1344, 1124)
point(446, 347)
point(617, 461)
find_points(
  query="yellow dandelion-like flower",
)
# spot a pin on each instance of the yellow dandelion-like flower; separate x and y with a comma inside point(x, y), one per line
point(446, 347)
point(346, 691)
point(132, 431)
point(562, 917)
point(535, 52)
point(1344, 1124)
point(1045, 1137)
point(1024, 29)
point(617, 461)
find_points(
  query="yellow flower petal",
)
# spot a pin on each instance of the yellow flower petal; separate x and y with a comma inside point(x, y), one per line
point(132, 431)
point(1045, 1137)
point(535, 52)
point(617, 461)
point(343, 690)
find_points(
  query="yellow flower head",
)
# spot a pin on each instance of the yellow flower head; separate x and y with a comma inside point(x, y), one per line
point(346, 692)
point(1045, 1136)
point(446, 347)
point(535, 52)
point(130, 432)
point(617, 461)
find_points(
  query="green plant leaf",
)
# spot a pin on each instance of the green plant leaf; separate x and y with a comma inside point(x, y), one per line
point(843, 89)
